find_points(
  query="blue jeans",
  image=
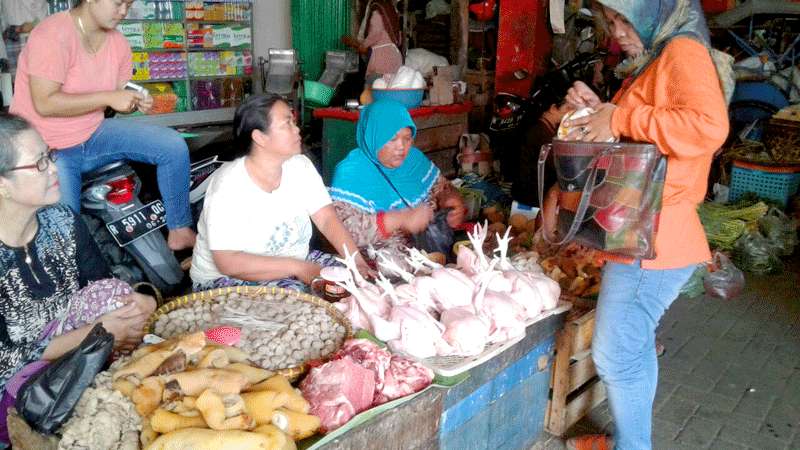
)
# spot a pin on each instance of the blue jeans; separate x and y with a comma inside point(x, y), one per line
point(632, 301)
point(119, 139)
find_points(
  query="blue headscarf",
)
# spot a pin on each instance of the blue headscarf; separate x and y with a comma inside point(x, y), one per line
point(357, 179)
point(659, 21)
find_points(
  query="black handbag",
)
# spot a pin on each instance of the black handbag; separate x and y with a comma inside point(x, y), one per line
point(47, 399)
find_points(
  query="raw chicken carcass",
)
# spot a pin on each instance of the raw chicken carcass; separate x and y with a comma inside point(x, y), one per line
point(506, 316)
point(453, 288)
point(338, 390)
point(468, 261)
point(465, 331)
point(350, 308)
point(420, 333)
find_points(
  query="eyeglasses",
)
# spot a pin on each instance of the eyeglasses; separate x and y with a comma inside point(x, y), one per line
point(42, 164)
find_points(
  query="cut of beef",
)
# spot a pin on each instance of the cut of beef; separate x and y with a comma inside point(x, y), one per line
point(337, 391)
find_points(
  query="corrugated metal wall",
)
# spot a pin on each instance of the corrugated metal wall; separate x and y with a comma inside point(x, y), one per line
point(317, 26)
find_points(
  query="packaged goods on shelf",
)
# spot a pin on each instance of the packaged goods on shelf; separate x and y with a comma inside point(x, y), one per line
point(133, 32)
point(232, 92)
point(218, 35)
point(165, 100)
point(206, 94)
point(163, 35)
point(155, 10)
point(209, 64)
point(218, 93)
point(159, 66)
point(217, 11)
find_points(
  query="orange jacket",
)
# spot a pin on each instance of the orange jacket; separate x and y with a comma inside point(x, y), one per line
point(677, 104)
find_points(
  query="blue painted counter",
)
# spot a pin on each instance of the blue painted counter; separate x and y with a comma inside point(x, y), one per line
point(500, 406)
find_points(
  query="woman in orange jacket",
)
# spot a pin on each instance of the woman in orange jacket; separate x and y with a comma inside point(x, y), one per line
point(672, 97)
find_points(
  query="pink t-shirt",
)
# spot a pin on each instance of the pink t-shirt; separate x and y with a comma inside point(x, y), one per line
point(54, 52)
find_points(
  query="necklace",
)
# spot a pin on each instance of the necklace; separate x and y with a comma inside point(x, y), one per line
point(29, 262)
point(85, 36)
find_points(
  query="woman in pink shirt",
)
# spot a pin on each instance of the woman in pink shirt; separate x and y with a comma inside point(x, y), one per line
point(73, 67)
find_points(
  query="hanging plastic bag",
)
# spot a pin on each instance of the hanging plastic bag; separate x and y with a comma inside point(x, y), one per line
point(47, 399)
point(780, 230)
point(438, 237)
point(756, 254)
point(725, 280)
point(694, 287)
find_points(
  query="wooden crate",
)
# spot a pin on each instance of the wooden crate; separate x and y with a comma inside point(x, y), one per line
point(575, 387)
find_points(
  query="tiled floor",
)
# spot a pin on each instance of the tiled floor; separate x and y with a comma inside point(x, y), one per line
point(731, 376)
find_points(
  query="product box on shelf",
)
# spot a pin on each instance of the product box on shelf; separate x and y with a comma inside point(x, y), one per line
point(133, 32)
point(163, 35)
point(154, 10)
point(218, 36)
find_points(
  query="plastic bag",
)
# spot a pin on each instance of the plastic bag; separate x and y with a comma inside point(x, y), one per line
point(780, 230)
point(694, 287)
point(47, 399)
point(438, 237)
point(726, 281)
point(755, 253)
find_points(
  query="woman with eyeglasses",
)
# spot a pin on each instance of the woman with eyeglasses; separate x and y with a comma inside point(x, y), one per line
point(54, 284)
point(75, 66)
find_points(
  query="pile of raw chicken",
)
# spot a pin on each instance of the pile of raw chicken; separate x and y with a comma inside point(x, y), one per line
point(446, 311)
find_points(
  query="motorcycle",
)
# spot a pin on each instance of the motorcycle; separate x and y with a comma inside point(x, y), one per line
point(514, 117)
point(127, 230)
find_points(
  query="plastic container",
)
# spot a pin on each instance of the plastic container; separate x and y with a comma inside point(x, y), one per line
point(411, 98)
point(775, 183)
point(318, 93)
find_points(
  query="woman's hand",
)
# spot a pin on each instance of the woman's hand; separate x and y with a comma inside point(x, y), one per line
point(124, 100)
point(307, 271)
point(457, 209)
point(595, 127)
point(125, 324)
point(145, 105)
point(416, 220)
point(145, 304)
point(364, 269)
point(581, 96)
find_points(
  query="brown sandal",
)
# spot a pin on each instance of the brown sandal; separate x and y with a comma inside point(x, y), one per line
point(591, 442)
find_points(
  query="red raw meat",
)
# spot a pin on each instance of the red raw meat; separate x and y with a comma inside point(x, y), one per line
point(395, 376)
point(337, 391)
point(404, 377)
point(368, 355)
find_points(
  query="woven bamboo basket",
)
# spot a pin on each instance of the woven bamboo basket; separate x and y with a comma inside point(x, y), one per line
point(253, 293)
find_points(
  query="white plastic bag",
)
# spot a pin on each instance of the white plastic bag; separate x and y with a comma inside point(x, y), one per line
point(424, 60)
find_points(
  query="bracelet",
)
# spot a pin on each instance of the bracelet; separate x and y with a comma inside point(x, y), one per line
point(382, 225)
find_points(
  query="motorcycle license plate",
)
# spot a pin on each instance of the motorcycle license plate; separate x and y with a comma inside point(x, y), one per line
point(503, 124)
point(138, 224)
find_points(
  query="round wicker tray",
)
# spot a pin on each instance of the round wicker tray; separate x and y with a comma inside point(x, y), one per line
point(253, 293)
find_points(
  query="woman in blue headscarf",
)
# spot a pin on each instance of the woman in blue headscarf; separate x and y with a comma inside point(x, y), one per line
point(386, 190)
point(672, 96)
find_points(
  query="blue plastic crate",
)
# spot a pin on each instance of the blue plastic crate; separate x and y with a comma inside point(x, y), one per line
point(776, 184)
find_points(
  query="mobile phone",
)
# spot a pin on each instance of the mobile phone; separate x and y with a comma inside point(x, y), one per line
point(138, 88)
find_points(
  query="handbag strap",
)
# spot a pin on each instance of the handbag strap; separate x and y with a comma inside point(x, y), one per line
point(586, 194)
point(408, 205)
point(540, 166)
